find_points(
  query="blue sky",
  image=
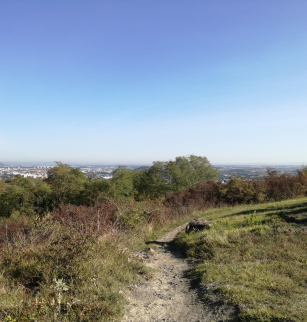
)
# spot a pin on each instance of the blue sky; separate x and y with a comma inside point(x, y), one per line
point(138, 81)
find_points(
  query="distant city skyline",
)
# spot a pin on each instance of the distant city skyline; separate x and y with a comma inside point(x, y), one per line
point(132, 82)
point(226, 172)
point(73, 164)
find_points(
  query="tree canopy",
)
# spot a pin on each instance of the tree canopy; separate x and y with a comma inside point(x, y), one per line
point(66, 183)
point(175, 175)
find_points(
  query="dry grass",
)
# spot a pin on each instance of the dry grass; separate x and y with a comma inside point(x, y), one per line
point(55, 274)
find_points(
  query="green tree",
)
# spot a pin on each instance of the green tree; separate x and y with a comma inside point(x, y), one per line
point(24, 195)
point(93, 189)
point(122, 183)
point(176, 175)
point(152, 182)
point(302, 171)
point(67, 184)
point(184, 172)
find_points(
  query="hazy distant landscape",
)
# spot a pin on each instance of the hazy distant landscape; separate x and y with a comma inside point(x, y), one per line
point(40, 170)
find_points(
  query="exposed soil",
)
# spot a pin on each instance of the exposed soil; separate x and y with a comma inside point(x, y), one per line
point(170, 295)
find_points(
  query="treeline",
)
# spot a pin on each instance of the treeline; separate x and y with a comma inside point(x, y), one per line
point(154, 195)
point(183, 183)
point(66, 185)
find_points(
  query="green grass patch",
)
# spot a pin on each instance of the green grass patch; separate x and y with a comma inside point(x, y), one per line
point(256, 257)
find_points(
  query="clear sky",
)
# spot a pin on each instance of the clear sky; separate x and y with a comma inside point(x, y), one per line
point(135, 81)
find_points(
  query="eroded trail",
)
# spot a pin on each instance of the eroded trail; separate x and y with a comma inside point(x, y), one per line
point(168, 296)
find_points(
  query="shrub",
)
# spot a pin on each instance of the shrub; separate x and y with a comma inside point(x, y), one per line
point(282, 187)
point(48, 251)
point(207, 194)
point(87, 220)
point(239, 191)
point(204, 194)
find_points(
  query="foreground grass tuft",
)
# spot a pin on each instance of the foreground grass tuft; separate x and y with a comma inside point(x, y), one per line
point(255, 257)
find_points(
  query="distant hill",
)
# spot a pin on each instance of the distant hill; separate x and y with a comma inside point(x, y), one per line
point(2, 165)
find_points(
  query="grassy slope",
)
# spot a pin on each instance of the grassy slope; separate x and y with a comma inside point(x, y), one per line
point(249, 261)
point(256, 257)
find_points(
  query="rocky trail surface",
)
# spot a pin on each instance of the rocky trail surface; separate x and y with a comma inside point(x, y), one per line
point(170, 295)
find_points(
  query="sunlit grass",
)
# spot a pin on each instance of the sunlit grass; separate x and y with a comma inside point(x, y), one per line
point(256, 258)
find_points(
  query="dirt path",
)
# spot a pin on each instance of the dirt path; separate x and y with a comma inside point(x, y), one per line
point(169, 295)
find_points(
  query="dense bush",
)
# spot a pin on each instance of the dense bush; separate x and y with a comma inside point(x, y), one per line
point(204, 194)
point(85, 219)
point(14, 231)
point(25, 196)
point(239, 191)
point(282, 187)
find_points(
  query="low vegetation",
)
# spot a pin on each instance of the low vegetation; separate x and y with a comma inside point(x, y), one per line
point(66, 242)
point(55, 272)
point(255, 257)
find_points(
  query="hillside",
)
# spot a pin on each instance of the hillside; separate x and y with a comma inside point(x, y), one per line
point(67, 242)
point(254, 257)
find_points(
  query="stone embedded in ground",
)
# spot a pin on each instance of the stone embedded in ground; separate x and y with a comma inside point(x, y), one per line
point(285, 230)
point(197, 224)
